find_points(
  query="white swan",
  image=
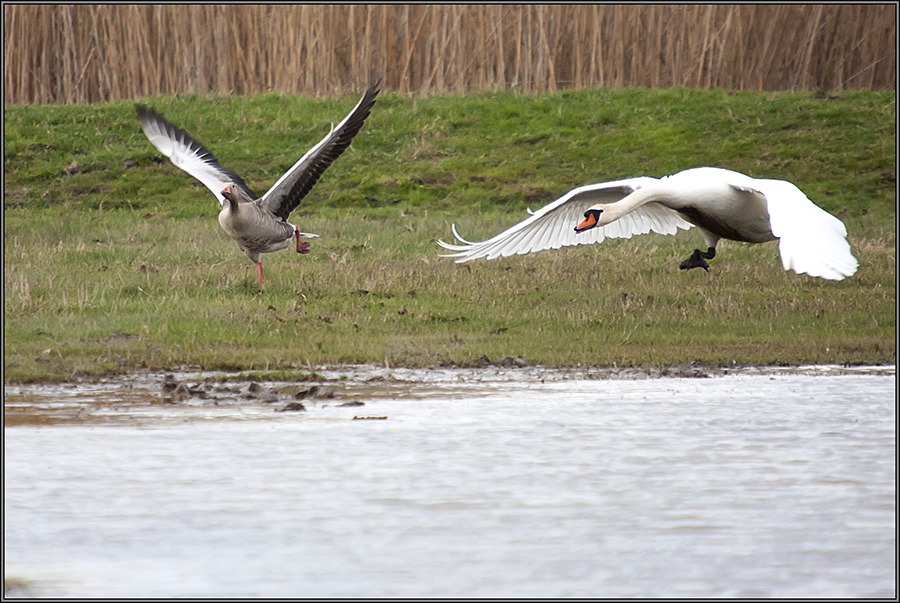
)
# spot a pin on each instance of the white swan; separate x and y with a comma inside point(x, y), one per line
point(721, 203)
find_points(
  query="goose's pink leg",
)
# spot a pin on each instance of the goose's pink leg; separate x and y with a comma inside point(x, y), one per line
point(259, 272)
point(302, 247)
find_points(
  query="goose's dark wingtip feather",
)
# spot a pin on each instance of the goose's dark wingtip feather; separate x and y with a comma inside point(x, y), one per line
point(153, 119)
point(144, 111)
point(147, 115)
point(374, 88)
point(340, 140)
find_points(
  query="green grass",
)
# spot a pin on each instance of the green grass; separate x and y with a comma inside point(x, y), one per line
point(115, 268)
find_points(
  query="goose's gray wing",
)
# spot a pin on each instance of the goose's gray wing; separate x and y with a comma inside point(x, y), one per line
point(553, 226)
point(286, 194)
point(187, 153)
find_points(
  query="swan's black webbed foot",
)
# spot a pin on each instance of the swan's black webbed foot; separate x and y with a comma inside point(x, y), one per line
point(698, 259)
point(695, 261)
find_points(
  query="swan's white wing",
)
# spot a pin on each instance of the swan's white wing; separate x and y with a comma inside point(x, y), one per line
point(188, 154)
point(811, 240)
point(553, 226)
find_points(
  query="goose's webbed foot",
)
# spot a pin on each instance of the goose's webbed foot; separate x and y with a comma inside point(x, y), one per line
point(302, 246)
point(698, 259)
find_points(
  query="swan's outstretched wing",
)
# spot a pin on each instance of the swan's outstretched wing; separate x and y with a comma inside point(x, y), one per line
point(187, 153)
point(553, 226)
point(290, 189)
point(811, 240)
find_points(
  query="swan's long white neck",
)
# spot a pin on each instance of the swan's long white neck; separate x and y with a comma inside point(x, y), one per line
point(610, 212)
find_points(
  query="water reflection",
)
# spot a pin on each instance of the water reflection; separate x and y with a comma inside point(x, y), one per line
point(518, 483)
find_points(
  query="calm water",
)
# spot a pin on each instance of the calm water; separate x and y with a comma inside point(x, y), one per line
point(515, 483)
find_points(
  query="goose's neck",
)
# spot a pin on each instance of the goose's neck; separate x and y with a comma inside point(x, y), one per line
point(231, 205)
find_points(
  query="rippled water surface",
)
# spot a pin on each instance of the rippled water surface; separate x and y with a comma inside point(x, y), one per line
point(456, 483)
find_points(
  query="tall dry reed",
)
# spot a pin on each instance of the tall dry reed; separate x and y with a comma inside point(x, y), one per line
point(87, 53)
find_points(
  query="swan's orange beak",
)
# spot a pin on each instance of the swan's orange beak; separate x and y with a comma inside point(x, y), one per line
point(591, 217)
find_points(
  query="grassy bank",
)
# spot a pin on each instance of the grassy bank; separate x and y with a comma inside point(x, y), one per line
point(109, 267)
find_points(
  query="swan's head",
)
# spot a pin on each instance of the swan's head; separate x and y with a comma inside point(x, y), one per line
point(591, 219)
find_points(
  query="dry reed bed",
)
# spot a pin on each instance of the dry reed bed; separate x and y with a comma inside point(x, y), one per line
point(90, 53)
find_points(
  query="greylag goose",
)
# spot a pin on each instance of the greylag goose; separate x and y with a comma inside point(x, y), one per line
point(258, 225)
point(721, 203)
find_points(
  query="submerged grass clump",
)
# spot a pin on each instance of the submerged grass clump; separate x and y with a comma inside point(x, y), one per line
point(113, 268)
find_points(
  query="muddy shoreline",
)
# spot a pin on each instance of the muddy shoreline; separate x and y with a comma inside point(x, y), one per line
point(185, 394)
point(343, 372)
